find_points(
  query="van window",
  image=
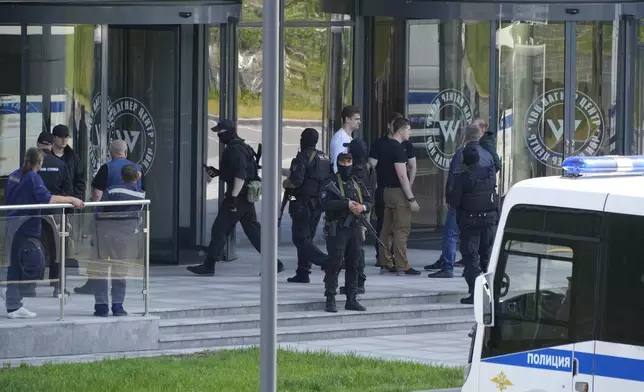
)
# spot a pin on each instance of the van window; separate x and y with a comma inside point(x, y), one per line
point(543, 272)
point(623, 314)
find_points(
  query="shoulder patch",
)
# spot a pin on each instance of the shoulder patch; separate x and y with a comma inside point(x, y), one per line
point(323, 195)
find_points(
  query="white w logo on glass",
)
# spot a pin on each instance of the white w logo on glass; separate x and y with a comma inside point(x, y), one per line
point(449, 129)
point(557, 129)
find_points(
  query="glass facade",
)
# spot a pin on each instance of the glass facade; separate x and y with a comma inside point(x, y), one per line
point(549, 86)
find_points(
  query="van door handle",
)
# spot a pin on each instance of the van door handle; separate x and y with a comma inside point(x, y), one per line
point(575, 366)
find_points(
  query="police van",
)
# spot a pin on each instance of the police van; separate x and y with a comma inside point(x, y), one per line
point(561, 307)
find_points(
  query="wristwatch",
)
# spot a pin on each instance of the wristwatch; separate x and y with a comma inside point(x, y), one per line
point(411, 199)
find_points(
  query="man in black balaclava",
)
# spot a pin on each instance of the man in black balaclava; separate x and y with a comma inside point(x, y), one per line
point(309, 170)
point(238, 169)
point(363, 171)
point(344, 236)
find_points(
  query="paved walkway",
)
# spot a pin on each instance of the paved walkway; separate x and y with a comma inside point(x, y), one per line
point(439, 348)
point(236, 283)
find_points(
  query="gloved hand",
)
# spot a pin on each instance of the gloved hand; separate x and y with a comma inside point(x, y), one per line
point(230, 202)
point(212, 172)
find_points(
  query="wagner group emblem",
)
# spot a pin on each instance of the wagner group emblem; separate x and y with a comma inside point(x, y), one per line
point(94, 125)
point(544, 124)
point(130, 121)
point(448, 115)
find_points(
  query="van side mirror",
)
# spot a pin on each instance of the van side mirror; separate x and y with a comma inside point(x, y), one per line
point(483, 300)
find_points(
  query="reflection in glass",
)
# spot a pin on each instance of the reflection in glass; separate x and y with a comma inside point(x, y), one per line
point(10, 57)
point(595, 131)
point(531, 100)
point(448, 88)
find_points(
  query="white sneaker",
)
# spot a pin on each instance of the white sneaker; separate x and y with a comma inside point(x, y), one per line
point(21, 313)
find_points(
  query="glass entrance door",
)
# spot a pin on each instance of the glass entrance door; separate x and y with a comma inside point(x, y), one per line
point(542, 68)
point(142, 90)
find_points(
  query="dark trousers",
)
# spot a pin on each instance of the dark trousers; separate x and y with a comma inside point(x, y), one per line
point(117, 278)
point(476, 240)
point(345, 245)
point(305, 218)
point(118, 246)
point(26, 265)
point(225, 222)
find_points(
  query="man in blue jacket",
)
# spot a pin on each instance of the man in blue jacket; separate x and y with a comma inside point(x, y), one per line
point(109, 175)
point(117, 241)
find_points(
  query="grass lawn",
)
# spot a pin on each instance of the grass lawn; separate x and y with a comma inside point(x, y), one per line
point(231, 371)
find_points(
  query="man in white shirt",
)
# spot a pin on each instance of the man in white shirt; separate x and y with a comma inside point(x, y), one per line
point(350, 122)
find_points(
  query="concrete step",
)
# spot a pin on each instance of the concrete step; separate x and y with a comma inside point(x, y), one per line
point(294, 319)
point(317, 332)
point(368, 300)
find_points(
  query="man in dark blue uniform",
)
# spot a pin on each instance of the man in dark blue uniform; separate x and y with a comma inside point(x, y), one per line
point(118, 241)
point(109, 175)
point(24, 229)
point(240, 172)
point(344, 235)
point(475, 200)
point(363, 171)
point(447, 260)
point(57, 179)
point(310, 169)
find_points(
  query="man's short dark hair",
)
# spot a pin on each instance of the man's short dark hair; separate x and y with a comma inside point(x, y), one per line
point(399, 123)
point(129, 174)
point(348, 112)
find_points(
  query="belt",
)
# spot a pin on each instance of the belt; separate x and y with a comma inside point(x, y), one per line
point(391, 186)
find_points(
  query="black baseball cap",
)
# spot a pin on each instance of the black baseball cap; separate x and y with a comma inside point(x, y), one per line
point(60, 130)
point(344, 156)
point(45, 138)
point(223, 125)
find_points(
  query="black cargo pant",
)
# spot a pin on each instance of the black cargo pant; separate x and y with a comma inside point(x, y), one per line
point(342, 243)
point(476, 238)
point(305, 217)
point(225, 222)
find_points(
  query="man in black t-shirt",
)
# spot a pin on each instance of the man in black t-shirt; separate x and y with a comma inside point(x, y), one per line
point(399, 201)
point(377, 148)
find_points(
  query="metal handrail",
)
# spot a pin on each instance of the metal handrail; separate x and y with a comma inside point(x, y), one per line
point(65, 205)
point(64, 234)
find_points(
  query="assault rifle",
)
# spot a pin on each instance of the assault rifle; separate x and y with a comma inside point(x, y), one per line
point(288, 192)
point(331, 187)
point(258, 155)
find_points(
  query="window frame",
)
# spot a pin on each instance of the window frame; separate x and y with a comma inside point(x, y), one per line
point(571, 240)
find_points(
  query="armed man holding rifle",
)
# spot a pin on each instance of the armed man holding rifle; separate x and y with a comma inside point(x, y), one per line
point(343, 200)
point(310, 169)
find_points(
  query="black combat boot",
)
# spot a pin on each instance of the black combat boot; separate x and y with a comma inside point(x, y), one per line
point(299, 278)
point(353, 304)
point(205, 269)
point(330, 304)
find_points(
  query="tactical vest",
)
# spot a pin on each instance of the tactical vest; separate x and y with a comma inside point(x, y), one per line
point(114, 168)
point(482, 197)
point(317, 171)
point(355, 184)
point(332, 216)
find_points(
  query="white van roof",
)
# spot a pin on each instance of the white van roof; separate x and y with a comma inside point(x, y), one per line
point(620, 193)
